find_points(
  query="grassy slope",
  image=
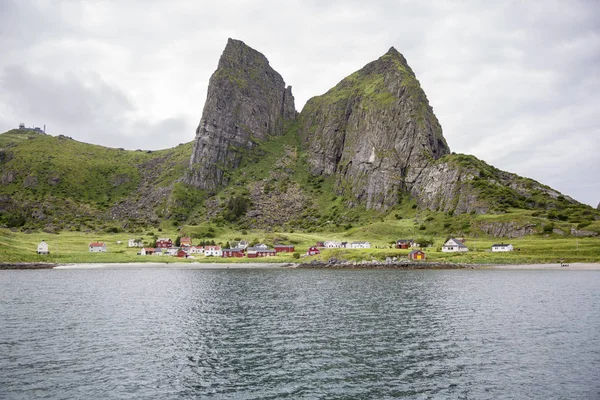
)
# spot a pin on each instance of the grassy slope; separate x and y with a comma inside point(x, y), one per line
point(67, 173)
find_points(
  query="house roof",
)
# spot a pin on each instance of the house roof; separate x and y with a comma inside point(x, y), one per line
point(96, 244)
point(163, 239)
point(212, 248)
point(236, 249)
point(456, 241)
point(404, 240)
point(416, 251)
point(501, 245)
point(284, 245)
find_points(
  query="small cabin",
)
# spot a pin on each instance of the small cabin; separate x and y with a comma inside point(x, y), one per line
point(416, 255)
point(147, 251)
point(404, 243)
point(502, 247)
point(97, 247)
point(181, 254)
point(43, 248)
point(313, 251)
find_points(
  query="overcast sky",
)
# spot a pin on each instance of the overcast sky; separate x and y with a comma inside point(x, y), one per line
point(515, 83)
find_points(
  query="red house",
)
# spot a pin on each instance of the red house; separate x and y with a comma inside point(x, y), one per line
point(164, 243)
point(404, 243)
point(284, 248)
point(232, 253)
point(181, 254)
point(254, 253)
point(313, 251)
point(416, 255)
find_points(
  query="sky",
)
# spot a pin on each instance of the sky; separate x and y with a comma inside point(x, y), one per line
point(517, 84)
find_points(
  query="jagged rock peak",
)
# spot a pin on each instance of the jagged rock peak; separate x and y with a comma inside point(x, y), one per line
point(247, 102)
point(371, 130)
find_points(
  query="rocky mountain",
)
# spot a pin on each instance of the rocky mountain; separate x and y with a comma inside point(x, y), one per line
point(370, 149)
point(247, 101)
point(374, 131)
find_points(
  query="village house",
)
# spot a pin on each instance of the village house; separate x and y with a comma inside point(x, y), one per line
point(97, 247)
point(43, 248)
point(284, 248)
point(181, 254)
point(261, 246)
point(164, 243)
point(147, 251)
point(196, 250)
point(332, 244)
point(185, 241)
point(416, 255)
point(159, 252)
point(313, 251)
point(172, 251)
point(360, 245)
point(502, 247)
point(404, 243)
point(213, 251)
point(254, 252)
point(134, 243)
point(454, 245)
point(242, 244)
point(227, 253)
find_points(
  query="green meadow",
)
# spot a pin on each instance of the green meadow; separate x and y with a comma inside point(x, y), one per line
point(72, 247)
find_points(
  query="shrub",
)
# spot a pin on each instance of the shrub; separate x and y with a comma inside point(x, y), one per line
point(296, 256)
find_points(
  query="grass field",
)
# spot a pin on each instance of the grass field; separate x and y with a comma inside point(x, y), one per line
point(72, 247)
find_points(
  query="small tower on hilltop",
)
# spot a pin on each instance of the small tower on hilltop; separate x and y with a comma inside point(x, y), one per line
point(21, 126)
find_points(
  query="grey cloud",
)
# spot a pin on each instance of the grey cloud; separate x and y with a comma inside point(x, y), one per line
point(508, 80)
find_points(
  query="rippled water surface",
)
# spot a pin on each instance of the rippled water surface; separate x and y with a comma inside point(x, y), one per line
point(299, 334)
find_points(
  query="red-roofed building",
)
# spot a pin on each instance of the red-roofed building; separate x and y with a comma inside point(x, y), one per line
point(313, 251)
point(233, 253)
point(97, 247)
point(284, 248)
point(164, 243)
point(185, 241)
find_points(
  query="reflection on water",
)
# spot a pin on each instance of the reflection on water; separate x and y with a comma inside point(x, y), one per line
point(267, 334)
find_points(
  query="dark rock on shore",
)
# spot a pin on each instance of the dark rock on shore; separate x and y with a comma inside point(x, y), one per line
point(6, 266)
point(405, 264)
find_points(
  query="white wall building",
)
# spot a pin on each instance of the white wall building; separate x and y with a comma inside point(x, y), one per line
point(332, 244)
point(454, 245)
point(502, 247)
point(97, 247)
point(214, 251)
point(360, 245)
point(43, 248)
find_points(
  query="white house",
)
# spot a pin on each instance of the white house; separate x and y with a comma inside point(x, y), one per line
point(360, 245)
point(261, 246)
point(332, 244)
point(454, 245)
point(134, 243)
point(97, 247)
point(196, 250)
point(43, 248)
point(214, 251)
point(147, 251)
point(242, 244)
point(502, 247)
point(172, 251)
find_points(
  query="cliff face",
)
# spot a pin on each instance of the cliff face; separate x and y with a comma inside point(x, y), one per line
point(372, 130)
point(247, 101)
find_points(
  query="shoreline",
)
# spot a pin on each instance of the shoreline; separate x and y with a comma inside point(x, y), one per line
point(312, 265)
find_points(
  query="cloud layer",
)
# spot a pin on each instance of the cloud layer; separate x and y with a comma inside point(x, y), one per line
point(514, 83)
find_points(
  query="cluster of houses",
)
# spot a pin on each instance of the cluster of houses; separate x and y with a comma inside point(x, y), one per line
point(165, 246)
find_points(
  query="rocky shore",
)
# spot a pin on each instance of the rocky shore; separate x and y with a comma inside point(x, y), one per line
point(388, 264)
point(26, 265)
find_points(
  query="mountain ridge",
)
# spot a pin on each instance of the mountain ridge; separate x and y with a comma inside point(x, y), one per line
point(369, 148)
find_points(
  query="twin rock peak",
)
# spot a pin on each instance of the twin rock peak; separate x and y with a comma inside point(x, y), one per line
point(374, 132)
